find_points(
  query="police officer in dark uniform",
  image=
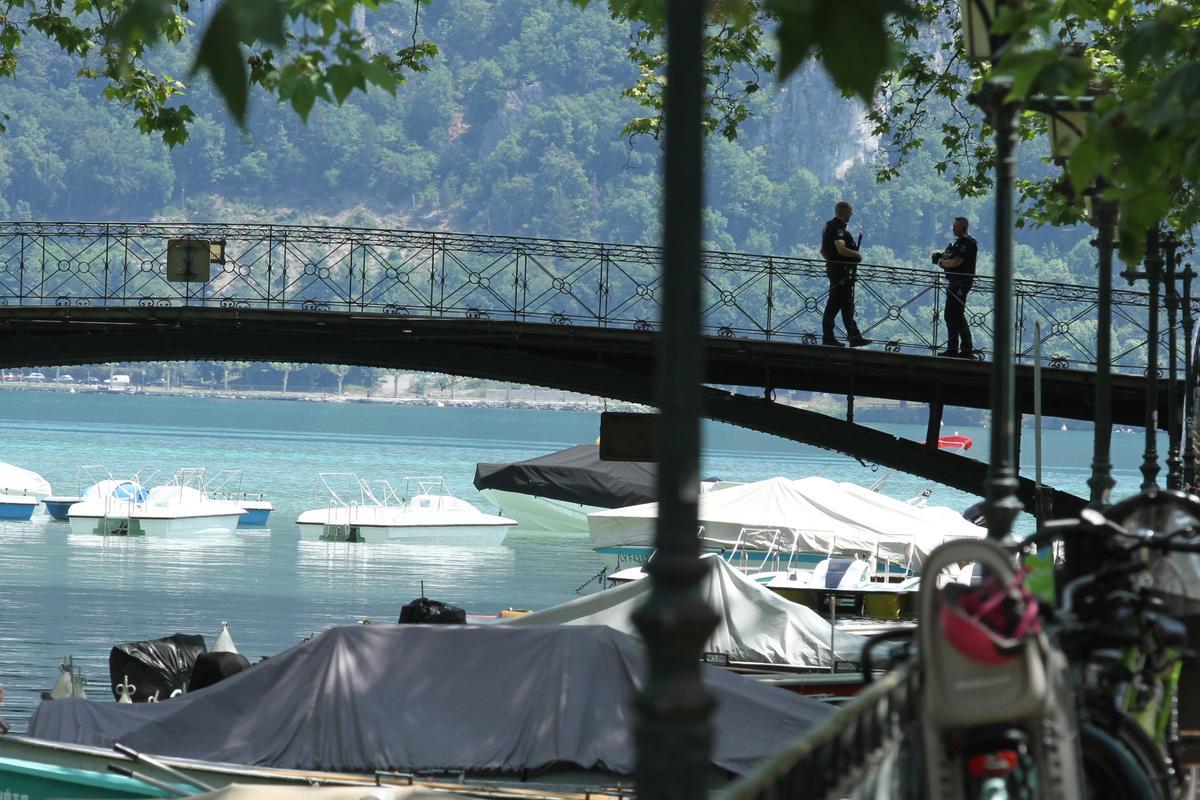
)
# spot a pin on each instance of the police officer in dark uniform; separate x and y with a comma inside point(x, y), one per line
point(958, 260)
point(841, 255)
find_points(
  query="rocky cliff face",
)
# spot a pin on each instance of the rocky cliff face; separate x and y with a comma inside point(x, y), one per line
point(812, 126)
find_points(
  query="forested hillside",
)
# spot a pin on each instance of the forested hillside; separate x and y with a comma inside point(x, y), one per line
point(516, 130)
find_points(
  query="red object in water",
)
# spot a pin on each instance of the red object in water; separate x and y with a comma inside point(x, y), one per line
point(954, 442)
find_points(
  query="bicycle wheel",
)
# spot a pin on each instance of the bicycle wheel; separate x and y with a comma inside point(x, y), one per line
point(1151, 758)
point(1111, 771)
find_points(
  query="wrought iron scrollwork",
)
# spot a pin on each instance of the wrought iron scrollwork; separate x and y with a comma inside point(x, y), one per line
point(1059, 361)
point(643, 325)
point(62, 301)
point(315, 305)
point(725, 331)
point(892, 346)
point(395, 310)
point(560, 319)
point(808, 337)
point(477, 313)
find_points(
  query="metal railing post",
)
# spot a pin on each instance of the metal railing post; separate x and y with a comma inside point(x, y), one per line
point(673, 733)
point(1101, 481)
point(1174, 462)
point(1000, 486)
point(1189, 383)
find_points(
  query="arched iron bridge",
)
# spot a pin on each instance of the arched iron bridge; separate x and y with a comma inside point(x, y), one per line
point(580, 316)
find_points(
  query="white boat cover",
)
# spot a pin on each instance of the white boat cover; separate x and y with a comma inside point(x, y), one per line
point(754, 623)
point(824, 516)
point(17, 480)
point(486, 699)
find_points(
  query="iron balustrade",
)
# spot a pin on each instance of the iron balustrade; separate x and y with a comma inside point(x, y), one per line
point(855, 753)
point(432, 273)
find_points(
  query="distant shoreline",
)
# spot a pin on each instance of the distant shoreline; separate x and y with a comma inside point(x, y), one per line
point(589, 405)
point(885, 412)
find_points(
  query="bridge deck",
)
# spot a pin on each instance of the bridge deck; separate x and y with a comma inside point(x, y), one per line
point(559, 356)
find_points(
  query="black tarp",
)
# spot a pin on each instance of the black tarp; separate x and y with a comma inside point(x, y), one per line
point(215, 667)
point(155, 666)
point(424, 611)
point(488, 698)
point(574, 475)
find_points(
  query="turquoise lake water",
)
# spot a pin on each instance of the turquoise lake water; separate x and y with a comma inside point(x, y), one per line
point(63, 594)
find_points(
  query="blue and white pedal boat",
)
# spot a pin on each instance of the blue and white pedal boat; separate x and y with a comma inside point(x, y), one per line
point(20, 492)
point(227, 485)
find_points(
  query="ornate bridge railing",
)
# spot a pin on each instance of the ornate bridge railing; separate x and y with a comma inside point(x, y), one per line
point(855, 753)
point(422, 273)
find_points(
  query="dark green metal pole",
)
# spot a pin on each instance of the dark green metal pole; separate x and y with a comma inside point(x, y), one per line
point(1150, 454)
point(1189, 384)
point(673, 733)
point(1174, 462)
point(1000, 486)
point(1101, 482)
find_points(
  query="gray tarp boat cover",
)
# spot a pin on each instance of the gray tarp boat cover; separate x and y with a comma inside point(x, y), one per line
point(753, 622)
point(492, 699)
point(574, 475)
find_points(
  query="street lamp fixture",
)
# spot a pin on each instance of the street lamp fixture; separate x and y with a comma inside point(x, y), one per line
point(978, 17)
point(1067, 127)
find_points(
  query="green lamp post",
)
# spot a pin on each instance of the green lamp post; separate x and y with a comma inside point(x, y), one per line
point(1000, 486)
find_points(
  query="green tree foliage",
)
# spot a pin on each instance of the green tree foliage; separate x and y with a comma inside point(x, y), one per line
point(515, 129)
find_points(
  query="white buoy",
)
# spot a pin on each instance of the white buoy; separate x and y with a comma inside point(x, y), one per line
point(224, 643)
point(62, 686)
point(125, 691)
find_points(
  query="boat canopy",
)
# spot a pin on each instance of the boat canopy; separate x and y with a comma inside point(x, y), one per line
point(821, 515)
point(754, 623)
point(483, 699)
point(20, 481)
point(574, 475)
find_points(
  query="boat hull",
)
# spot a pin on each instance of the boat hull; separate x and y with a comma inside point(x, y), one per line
point(182, 526)
point(461, 535)
point(17, 507)
point(541, 514)
point(257, 512)
point(35, 780)
point(163, 526)
point(57, 507)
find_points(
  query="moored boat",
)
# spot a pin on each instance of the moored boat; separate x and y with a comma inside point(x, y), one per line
point(814, 516)
point(20, 491)
point(227, 485)
point(179, 507)
point(422, 511)
point(474, 701)
point(38, 780)
point(554, 493)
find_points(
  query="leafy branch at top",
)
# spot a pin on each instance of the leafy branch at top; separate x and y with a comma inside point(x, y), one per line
point(299, 50)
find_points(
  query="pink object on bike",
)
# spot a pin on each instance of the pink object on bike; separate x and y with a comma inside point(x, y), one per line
point(989, 623)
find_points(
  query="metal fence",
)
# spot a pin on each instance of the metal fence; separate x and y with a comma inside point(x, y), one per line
point(858, 752)
point(423, 273)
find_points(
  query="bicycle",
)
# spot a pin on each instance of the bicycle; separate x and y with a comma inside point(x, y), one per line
point(1091, 690)
point(1127, 642)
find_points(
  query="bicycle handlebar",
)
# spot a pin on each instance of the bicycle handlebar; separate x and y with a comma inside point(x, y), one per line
point(1119, 570)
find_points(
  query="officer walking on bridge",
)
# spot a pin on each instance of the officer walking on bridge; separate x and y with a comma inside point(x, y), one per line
point(841, 255)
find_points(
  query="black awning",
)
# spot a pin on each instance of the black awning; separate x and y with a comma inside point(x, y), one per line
point(574, 475)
